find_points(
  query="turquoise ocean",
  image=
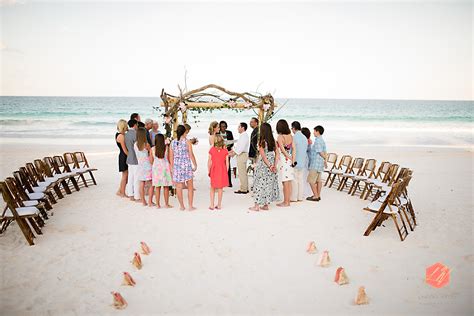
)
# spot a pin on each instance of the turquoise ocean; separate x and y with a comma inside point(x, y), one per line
point(371, 122)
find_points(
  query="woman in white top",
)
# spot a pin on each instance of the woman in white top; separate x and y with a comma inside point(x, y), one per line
point(213, 130)
point(287, 159)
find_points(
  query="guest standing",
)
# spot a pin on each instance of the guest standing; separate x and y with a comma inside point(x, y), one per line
point(122, 128)
point(301, 161)
point(228, 137)
point(213, 130)
point(317, 163)
point(253, 140)
point(132, 162)
point(217, 166)
point(136, 117)
point(144, 172)
point(265, 186)
point(182, 161)
point(154, 131)
point(287, 159)
point(240, 151)
point(161, 172)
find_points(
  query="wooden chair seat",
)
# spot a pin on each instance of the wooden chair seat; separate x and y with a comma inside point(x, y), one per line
point(361, 178)
point(31, 202)
point(36, 196)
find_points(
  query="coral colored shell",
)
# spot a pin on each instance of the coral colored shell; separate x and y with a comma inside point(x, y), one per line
point(361, 298)
point(128, 280)
point(325, 261)
point(145, 249)
point(341, 277)
point(137, 261)
point(312, 248)
point(119, 301)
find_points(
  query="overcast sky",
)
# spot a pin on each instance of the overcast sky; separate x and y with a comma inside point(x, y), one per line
point(355, 49)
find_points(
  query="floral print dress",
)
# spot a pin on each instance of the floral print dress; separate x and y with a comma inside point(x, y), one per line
point(182, 168)
point(161, 176)
point(265, 185)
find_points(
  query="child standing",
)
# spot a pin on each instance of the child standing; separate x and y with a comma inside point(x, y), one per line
point(161, 174)
point(317, 163)
point(217, 166)
point(142, 149)
point(181, 157)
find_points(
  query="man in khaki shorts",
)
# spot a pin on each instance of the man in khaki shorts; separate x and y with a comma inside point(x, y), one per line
point(317, 162)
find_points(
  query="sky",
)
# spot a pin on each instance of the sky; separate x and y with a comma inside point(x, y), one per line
point(312, 49)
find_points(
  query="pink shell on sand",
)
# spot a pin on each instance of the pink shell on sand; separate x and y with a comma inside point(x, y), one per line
point(119, 301)
point(361, 298)
point(325, 261)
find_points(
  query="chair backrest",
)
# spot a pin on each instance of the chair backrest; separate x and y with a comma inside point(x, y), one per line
point(402, 174)
point(369, 168)
point(21, 182)
point(34, 173)
point(331, 159)
point(356, 166)
point(42, 167)
point(390, 175)
point(61, 164)
point(81, 158)
point(9, 200)
point(12, 182)
point(383, 169)
point(70, 160)
point(15, 193)
point(27, 178)
point(395, 192)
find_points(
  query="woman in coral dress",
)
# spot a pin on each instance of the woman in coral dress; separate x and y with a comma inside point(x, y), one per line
point(218, 164)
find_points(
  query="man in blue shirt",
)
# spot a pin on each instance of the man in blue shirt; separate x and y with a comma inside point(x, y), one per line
point(301, 144)
point(317, 162)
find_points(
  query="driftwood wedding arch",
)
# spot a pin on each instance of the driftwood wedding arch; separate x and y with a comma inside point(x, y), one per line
point(211, 97)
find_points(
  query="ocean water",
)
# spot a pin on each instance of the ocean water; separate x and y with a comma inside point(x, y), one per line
point(438, 123)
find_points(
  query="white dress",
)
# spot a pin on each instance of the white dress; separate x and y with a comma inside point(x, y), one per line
point(285, 169)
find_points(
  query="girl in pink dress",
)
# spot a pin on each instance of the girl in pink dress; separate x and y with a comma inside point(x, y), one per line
point(161, 174)
point(217, 166)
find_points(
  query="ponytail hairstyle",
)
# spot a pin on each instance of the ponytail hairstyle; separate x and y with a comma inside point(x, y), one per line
point(160, 146)
point(180, 130)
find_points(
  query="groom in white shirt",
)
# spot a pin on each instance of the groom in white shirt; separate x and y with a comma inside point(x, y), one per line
point(241, 150)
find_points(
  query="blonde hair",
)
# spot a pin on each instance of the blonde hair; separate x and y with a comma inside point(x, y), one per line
point(219, 141)
point(213, 125)
point(122, 126)
point(141, 138)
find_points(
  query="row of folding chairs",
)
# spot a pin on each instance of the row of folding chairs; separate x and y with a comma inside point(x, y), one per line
point(30, 193)
point(360, 175)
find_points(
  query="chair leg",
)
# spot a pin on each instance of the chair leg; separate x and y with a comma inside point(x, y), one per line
point(83, 180)
point(35, 226)
point(26, 230)
point(74, 183)
point(92, 177)
point(5, 224)
point(66, 187)
point(399, 230)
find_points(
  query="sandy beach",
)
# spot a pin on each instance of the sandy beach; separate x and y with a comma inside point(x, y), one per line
point(239, 262)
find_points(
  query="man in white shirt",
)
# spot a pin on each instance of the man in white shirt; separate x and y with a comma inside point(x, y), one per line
point(241, 150)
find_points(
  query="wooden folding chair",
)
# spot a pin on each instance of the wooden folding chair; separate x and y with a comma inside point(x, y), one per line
point(73, 165)
point(22, 199)
point(385, 207)
point(54, 171)
point(378, 185)
point(80, 158)
point(61, 167)
point(355, 169)
point(22, 215)
point(344, 165)
point(405, 200)
point(368, 172)
point(379, 176)
point(27, 184)
point(39, 180)
point(331, 161)
point(26, 195)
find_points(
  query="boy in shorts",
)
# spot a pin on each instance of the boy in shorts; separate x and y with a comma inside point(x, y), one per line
point(317, 162)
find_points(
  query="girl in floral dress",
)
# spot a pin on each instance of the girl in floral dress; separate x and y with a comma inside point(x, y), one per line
point(181, 157)
point(161, 173)
point(265, 186)
point(142, 150)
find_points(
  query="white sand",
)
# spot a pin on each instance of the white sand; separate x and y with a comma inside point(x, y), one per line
point(240, 262)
